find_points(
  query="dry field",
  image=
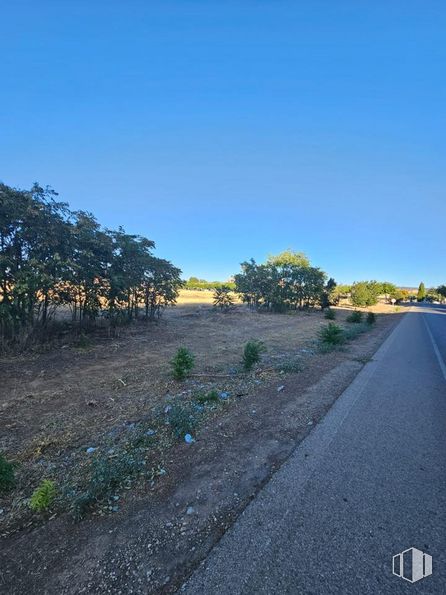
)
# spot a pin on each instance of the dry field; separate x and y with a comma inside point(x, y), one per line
point(55, 405)
point(65, 396)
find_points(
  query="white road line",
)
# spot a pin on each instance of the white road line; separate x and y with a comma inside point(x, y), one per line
point(435, 346)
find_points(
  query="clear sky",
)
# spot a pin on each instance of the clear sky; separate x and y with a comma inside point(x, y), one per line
point(228, 130)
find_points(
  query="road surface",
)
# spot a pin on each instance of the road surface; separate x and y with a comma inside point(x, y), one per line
point(367, 483)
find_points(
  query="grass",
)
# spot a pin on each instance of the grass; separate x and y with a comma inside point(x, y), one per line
point(217, 342)
point(290, 366)
point(207, 397)
point(43, 496)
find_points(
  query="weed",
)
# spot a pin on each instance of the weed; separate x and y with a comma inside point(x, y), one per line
point(141, 440)
point(105, 474)
point(371, 318)
point(182, 363)
point(291, 366)
point(251, 353)
point(7, 479)
point(355, 317)
point(182, 419)
point(43, 496)
point(209, 397)
point(330, 314)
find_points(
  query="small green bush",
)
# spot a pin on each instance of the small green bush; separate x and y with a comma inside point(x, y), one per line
point(7, 479)
point(43, 496)
point(182, 419)
point(211, 396)
point(251, 353)
point(355, 317)
point(106, 474)
point(371, 318)
point(332, 334)
point(182, 363)
point(330, 314)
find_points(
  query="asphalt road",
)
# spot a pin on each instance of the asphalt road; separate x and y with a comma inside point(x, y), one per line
point(367, 483)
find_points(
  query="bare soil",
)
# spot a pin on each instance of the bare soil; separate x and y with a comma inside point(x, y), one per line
point(55, 405)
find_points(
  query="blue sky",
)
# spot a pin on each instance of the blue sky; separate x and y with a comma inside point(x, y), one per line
point(230, 130)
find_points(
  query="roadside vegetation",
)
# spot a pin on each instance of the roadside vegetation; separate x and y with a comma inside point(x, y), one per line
point(51, 257)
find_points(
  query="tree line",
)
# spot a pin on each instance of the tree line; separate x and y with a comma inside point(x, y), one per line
point(195, 283)
point(52, 256)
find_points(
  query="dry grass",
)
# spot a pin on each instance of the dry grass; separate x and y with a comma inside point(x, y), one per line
point(55, 405)
point(79, 392)
point(195, 296)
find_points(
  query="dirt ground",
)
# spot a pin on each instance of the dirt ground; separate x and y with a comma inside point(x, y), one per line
point(55, 405)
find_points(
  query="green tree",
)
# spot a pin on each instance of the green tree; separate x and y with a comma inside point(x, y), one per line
point(441, 290)
point(279, 284)
point(51, 256)
point(365, 293)
point(161, 285)
point(329, 297)
point(289, 257)
point(421, 294)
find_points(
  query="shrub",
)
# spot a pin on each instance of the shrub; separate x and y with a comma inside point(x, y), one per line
point(182, 363)
point(106, 474)
point(355, 317)
point(7, 479)
point(330, 314)
point(43, 496)
point(371, 318)
point(182, 419)
point(208, 397)
point(332, 334)
point(251, 353)
point(223, 298)
point(290, 366)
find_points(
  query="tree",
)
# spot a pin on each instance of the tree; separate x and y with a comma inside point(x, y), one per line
point(365, 293)
point(51, 256)
point(280, 284)
point(441, 290)
point(289, 257)
point(161, 285)
point(421, 292)
point(389, 290)
point(329, 297)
